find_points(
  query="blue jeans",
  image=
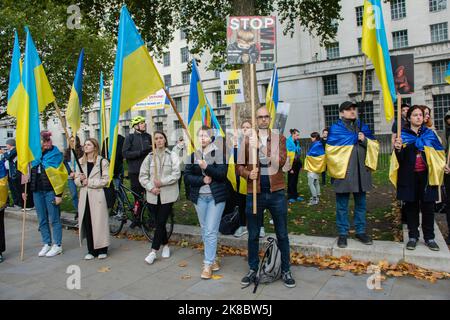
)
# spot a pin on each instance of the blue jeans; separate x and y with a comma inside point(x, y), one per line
point(209, 214)
point(48, 213)
point(73, 193)
point(342, 221)
point(277, 205)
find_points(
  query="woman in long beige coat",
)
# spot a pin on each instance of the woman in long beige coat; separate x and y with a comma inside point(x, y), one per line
point(92, 206)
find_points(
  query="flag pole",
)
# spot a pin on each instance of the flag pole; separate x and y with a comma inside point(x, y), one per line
point(399, 115)
point(253, 148)
point(363, 90)
point(153, 144)
point(24, 216)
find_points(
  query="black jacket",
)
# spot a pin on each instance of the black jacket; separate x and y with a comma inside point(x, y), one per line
point(118, 164)
point(135, 148)
point(193, 177)
point(406, 186)
point(39, 180)
point(13, 173)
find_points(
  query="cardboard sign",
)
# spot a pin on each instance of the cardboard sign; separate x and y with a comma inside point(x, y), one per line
point(251, 39)
point(403, 71)
point(155, 101)
point(232, 87)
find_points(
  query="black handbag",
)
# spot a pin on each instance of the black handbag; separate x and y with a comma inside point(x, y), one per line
point(229, 222)
point(110, 192)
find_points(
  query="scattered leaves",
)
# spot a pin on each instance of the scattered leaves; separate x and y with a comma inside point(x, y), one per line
point(183, 264)
point(185, 277)
point(216, 277)
point(104, 269)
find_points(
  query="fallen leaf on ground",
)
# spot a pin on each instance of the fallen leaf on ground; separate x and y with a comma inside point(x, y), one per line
point(183, 264)
point(104, 269)
point(185, 277)
point(216, 277)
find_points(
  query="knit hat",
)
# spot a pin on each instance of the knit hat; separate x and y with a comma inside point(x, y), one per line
point(11, 142)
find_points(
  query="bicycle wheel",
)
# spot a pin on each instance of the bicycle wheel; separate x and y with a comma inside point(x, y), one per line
point(117, 218)
point(148, 223)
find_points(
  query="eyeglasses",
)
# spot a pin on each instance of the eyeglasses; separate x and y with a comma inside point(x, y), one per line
point(263, 117)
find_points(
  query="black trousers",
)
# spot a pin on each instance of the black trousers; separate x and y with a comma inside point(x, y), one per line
point(2, 231)
point(413, 208)
point(136, 185)
point(16, 190)
point(87, 223)
point(161, 213)
point(293, 180)
point(241, 202)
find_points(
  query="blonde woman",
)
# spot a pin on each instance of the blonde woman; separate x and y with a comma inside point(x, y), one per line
point(92, 206)
point(162, 190)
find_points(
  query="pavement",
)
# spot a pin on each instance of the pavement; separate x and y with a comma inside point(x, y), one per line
point(125, 275)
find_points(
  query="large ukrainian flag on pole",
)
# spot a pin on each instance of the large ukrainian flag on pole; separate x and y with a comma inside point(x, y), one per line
point(374, 45)
point(37, 95)
point(15, 89)
point(73, 113)
point(272, 96)
point(135, 77)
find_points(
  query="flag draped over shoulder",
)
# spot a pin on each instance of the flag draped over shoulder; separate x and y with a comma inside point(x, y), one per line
point(315, 158)
point(3, 184)
point(340, 145)
point(292, 148)
point(15, 88)
point(272, 96)
point(374, 45)
point(52, 161)
point(73, 113)
point(429, 143)
point(37, 95)
point(447, 74)
point(135, 77)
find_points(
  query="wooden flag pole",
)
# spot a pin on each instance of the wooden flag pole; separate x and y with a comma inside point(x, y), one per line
point(153, 144)
point(254, 134)
point(363, 89)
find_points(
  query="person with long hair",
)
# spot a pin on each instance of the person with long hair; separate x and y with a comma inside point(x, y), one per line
point(92, 177)
point(162, 190)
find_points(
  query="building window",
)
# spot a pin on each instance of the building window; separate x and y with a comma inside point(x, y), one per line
point(185, 77)
point(365, 113)
point(398, 9)
point(87, 135)
point(141, 113)
point(439, 32)
point(218, 97)
point(160, 112)
point(166, 59)
point(222, 122)
point(10, 134)
point(168, 80)
point(178, 104)
point(369, 80)
point(177, 125)
point(216, 73)
point(331, 114)
point(359, 15)
point(184, 54)
point(86, 119)
point(182, 35)
point(330, 85)
point(333, 50)
point(400, 39)
point(127, 115)
point(359, 45)
point(64, 140)
point(437, 5)
point(159, 126)
point(441, 105)
point(97, 134)
point(269, 66)
point(126, 131)
point(438, 71)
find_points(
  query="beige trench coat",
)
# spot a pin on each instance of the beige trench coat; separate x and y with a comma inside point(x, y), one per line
point(97, 202)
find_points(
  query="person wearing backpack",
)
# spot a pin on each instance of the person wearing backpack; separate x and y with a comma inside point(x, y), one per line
point(272, 155)
point(162, 190)
point(92, 205)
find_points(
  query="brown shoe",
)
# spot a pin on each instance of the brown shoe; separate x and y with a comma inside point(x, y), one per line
point(206, 272)
point(215, 266)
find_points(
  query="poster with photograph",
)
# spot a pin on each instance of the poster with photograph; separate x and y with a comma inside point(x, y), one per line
point(281, 116)
point(403, 71)
point(251, 39)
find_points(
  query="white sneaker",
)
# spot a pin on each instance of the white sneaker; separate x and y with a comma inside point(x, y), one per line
point(150, 258)
point(165, 252)
point(102, 256)
point(89, 257)
point(240, 232)
point(44, 250)
point(262, 232)
point(54, 251)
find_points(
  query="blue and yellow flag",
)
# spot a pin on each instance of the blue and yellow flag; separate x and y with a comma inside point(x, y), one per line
point(102, 111)
point(429, 143)
point(447, 74)
point(197, 106)
point(272, 96)
point(315, 158)
point(340, 145)
point(37, 95)
point(15, 88)
point(3, 184)
point(73, 113)
point(374, 45)
point(52, 161)
point(135, 77)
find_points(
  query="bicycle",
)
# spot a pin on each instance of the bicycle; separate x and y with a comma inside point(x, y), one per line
point(123, 210)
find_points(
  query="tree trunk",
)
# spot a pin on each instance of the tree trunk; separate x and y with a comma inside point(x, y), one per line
point(245, 8)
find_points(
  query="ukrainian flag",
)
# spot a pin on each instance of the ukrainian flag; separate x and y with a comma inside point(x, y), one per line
point(37, 95)
point(102, 111)
point(315, 158)
point(272, 96)
point(429, 143)
point(3, 184)
point(135, 77)
point(447, 74)
point(340, 144)
point(15, 89)
point(73, 113)
point(56, 171)
point(374, 45)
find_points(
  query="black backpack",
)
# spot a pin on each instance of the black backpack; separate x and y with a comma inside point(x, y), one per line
point(229, 222)
point(270, 267)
